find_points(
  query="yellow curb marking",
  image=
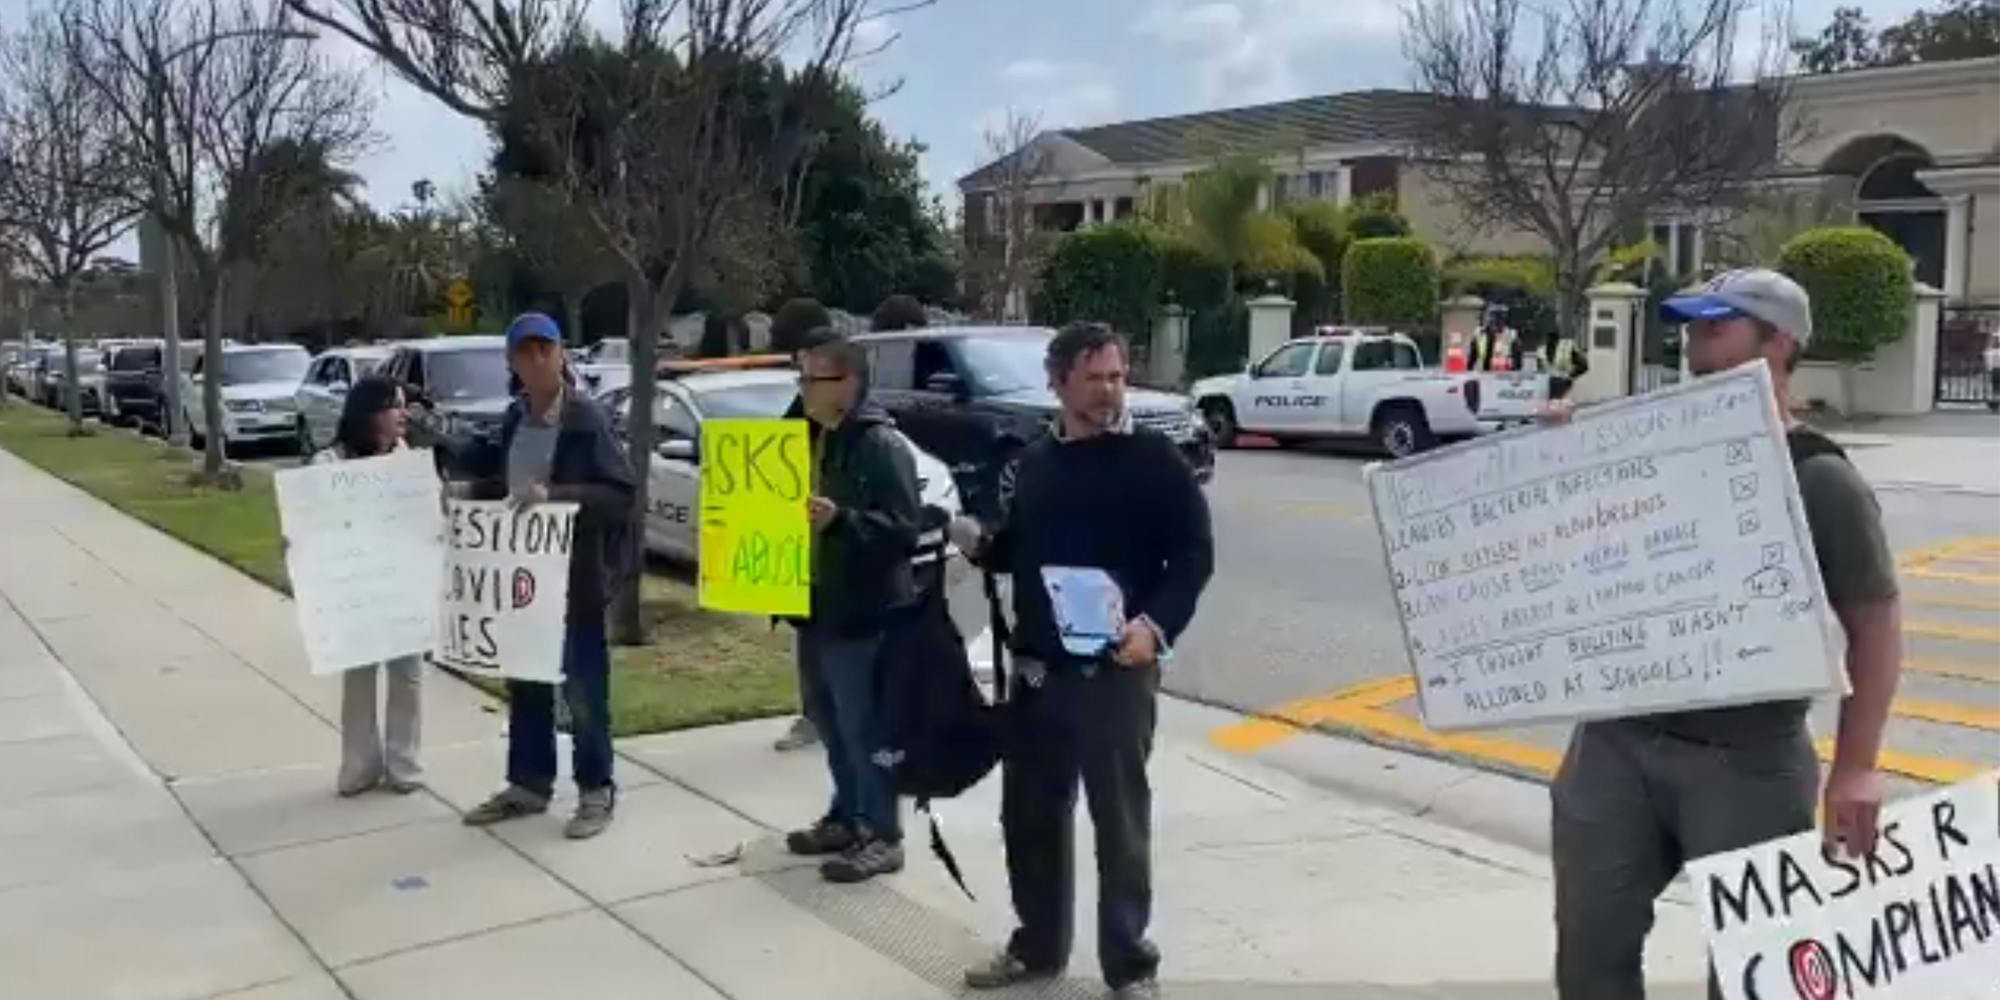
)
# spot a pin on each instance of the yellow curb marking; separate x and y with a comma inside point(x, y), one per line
point(1953, 630)
point(1969, 670)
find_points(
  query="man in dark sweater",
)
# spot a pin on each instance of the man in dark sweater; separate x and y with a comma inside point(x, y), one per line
point(1106, 536)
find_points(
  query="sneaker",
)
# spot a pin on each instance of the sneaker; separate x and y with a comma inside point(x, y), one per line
point(864, 861)
point(801, 735)
point(1138, 989)
point(351, 789)
point(824, 837)
point(593, 814)
point(403, 786)
point(1003, 971)
point(513, 802)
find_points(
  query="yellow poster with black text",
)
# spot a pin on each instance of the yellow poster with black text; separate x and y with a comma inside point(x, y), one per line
point(756, 543)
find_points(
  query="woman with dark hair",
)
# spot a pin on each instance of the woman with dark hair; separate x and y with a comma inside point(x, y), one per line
point(373, 422)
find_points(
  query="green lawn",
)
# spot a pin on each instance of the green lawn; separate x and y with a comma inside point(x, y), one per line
point(700, 668)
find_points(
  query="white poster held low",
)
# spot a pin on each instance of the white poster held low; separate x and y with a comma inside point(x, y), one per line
point(506, 589)
point(1789, 920)
point(364, 550)
point(1651, 555)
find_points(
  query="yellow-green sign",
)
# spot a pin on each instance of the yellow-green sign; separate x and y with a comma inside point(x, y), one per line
point(756, 544)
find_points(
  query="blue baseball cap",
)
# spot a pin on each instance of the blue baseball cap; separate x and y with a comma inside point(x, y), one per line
point(533, 326)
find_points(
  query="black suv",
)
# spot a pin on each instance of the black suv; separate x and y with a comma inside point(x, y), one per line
point(133, 381)
point(972, 395)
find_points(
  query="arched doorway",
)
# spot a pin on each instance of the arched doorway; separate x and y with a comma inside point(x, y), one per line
point(1890, 198)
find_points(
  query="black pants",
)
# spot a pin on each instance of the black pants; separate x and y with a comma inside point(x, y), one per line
point(1099, 729)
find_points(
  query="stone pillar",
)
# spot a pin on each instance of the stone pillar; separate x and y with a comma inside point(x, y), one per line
point(1611, 335)
point(1461, 316)
point(1167, 364)
point(1270, 324)
point(1957, 244)
point(1343, 185)
point(1923, 343)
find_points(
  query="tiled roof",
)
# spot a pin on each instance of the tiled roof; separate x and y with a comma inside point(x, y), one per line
point(1332, 119)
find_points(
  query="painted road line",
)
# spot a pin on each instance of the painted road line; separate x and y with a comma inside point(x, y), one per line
point(1949, 713)
point(1952, 601)
point(1953, 630)
point(1935, 770)
point(1976, 579)
point(1967, 670)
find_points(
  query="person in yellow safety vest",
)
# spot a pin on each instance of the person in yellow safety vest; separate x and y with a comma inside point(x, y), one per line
point(1564, 363)
point(1495, 348)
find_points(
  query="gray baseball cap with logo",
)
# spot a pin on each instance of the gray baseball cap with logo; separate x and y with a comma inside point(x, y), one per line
point(1756, 292)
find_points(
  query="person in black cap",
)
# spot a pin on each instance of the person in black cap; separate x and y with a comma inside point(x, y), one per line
point(1637, 797)
point(556, 445)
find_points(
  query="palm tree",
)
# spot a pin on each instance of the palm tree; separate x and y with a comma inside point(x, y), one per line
point(1221, 201)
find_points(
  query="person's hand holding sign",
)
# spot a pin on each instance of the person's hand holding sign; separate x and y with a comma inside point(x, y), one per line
point(821, 511)
point(1138, 646)
point(529, 494)
point(1853, 803)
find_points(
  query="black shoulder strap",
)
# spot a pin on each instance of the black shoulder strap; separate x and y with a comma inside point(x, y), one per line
point(1806, 442)
point(1003, 638)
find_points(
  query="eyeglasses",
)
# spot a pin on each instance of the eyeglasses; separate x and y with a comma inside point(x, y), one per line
point(808, 381)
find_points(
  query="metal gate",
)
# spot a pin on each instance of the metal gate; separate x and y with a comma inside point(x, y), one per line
point(1965, 334)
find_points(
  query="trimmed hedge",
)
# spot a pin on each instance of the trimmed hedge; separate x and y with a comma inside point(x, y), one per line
point(1390, 281)
point(793, 321)
point(1860, 285)
point(1107, 274)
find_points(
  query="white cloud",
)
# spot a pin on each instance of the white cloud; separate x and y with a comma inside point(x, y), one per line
point(1251, 51)
point(1060, 93)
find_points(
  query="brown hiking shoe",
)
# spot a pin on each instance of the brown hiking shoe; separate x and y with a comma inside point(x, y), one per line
point(824, 837)
point(513, 802)
point(1003, 971)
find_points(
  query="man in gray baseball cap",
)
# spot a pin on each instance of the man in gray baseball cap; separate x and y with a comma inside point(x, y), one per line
point(1639, 796)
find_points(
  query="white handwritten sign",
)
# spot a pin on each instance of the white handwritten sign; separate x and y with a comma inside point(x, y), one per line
point(505, 589)
point(1651, 555)
point(365, 553)
point(1919, 920)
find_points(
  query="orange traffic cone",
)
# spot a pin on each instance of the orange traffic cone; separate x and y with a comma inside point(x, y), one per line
point(1454, 354)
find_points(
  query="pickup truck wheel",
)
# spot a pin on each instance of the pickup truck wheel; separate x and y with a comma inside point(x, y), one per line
point(1402, 431)
point(1221, 420)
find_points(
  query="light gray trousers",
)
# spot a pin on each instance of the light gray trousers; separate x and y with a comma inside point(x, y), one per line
point(370, 752)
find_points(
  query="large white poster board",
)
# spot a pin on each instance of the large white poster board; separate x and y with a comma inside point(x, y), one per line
point(1919, 921)
point(506, 588)
point(365, 552)
point(1651, 555)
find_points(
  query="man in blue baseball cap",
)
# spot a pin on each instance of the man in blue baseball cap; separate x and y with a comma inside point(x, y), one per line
point(1639, 796)
point(555, 445)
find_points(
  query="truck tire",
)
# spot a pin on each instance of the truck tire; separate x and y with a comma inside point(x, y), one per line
point(1401, 430)
point(1221, 419)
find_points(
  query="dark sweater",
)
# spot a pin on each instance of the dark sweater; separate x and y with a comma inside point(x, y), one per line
point(1124, 503)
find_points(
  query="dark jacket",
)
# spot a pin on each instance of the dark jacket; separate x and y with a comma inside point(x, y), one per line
point(1126, 503)
point(588, 469)
point(861, 562)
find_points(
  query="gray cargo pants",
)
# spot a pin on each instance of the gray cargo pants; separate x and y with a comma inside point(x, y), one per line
point(368, 752)
point(1632, 803)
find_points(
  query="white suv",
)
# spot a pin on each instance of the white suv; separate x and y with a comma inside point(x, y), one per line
point(260, 384)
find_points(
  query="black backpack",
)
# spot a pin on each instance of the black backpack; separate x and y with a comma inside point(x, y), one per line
point(935, 730)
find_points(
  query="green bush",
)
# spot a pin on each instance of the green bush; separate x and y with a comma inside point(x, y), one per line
point(899, 312)
point(1374, 216)
point(1390, 281)
point(1108, 274)
point(793, 321)
point(1860, 285)
point(1191, 277)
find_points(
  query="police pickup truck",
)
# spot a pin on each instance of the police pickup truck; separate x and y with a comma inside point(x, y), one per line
point(1361, 385)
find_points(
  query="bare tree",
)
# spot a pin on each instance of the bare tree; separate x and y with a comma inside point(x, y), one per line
point(1004, 243)
point(651, 137)
point(1576, 120)
point(61, 162)
point(205, 93)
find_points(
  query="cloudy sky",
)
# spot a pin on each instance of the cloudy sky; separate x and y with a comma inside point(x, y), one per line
point(957, 67)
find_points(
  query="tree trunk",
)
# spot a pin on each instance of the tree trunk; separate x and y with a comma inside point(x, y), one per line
point(211, 383)
point(6, 299)
point(72, 384)
point(573, 316)
point(172, 427)
point(628, 627)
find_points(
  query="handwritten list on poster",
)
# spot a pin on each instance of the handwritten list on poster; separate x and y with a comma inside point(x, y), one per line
point(365, 553)
point(1651, 555)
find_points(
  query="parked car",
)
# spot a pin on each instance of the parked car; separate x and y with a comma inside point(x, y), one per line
point(605, 365)
point(259, 383)
point(463, 379)
point(693, 394)
point(323, 391)
point(1993, 371)
point(973, 395)
point(134, 388)
point(1354, 385)
point(89, 377)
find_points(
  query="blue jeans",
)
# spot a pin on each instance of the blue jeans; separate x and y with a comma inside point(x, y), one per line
point(837, 676)
point(531, 716)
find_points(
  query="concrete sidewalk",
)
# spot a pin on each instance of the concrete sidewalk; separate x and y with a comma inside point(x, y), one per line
point(168, 829)
point(1955, 451)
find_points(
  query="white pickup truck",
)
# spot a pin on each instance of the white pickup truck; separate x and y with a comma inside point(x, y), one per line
point(1352, 385)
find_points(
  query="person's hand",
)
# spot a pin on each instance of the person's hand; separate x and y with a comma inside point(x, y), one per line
point(967, 534)
point(1853, 803)
point(1138, 646)
point(529, 495)
point(820, 511)
point(1556, 411)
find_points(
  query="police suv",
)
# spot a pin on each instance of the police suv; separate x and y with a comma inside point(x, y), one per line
point(1349, 384)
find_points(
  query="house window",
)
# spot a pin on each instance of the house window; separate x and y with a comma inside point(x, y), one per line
point(1280, 184)
point(1316, 184)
